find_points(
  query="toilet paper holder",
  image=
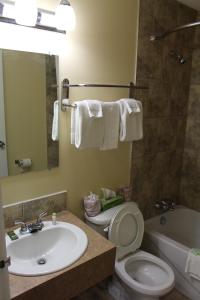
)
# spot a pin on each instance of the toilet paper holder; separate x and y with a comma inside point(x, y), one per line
point(24, 163)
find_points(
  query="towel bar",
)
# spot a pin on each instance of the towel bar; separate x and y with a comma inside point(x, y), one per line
point(66, 85)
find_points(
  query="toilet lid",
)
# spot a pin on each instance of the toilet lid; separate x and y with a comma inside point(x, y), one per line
point(126, 229)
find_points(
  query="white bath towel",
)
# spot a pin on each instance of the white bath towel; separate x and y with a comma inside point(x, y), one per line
point(94, 108)
point(192, 267)
point(111, 118)
point(55, 125)
point(86, 132)
point(131, 120)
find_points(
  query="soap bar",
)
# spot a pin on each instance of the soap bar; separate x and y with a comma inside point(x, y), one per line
point(106, 204)
point(12, 235)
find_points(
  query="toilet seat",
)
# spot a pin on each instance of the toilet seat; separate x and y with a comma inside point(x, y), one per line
point(155, 277)
point(126, 229)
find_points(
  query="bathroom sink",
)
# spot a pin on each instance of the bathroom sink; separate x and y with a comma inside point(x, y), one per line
point(47, 251)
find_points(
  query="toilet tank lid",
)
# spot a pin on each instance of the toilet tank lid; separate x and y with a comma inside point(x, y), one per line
point(105, 217)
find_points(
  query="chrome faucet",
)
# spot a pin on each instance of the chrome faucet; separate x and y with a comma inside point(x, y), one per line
point(32, 227)
point(165, 205)
point(24, 227)
point(39, 223)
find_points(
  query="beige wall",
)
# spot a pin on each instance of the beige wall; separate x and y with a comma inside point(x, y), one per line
point(25, 108)
point(102, 49)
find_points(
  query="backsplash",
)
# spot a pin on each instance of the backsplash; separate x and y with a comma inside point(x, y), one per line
point(190, 189)
point(157, 159)
point(30, 209)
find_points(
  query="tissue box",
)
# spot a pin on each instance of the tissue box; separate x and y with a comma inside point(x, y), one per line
point(106, 204)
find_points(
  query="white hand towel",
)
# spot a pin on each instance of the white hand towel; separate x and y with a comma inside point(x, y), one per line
point(193, 263)
point(73, 124)
point(86, 132)
point(94, 108)
point(132, 105)
point(131, 120)
point(111, 117)
point(55, 125)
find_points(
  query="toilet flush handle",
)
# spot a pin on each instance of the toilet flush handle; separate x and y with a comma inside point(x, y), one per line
point(106, 229)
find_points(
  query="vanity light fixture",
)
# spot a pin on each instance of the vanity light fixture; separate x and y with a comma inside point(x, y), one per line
point(26, 13)
point(65, 16)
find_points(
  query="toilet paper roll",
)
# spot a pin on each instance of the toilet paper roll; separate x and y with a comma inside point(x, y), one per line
point(25, 163)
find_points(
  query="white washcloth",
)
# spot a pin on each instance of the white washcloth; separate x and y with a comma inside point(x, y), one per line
point(131, 120)
point(86, 132)
point(55, 125)
point(192, 266)
point(94, 108)
point(111, 117)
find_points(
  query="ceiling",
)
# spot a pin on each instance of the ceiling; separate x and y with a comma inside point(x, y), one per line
point(192, 3)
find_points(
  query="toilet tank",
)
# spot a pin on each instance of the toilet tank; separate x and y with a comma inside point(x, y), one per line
point(102, 220)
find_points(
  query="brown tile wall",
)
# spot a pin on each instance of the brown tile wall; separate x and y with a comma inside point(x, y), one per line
point(29, 210)
point(157, 159)
point(190, 188)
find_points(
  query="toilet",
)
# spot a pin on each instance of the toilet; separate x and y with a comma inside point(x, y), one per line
point(141, 275)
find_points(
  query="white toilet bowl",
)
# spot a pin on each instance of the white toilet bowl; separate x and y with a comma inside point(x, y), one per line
point(145, 276)
point(142, 275)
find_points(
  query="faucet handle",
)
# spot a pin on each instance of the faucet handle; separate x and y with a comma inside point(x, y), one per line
point(18, 222)
point(157, 205)
point(43, 214)
point(171, 203)
point(23, 228)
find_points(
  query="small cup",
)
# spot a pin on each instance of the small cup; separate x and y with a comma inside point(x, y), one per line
point(125, 192)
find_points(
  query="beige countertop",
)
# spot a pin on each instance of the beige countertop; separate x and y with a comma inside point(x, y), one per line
point(95, 265)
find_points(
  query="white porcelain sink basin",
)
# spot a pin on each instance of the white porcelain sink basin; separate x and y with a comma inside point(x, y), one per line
point(47, 251)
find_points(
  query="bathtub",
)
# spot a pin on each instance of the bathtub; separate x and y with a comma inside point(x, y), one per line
point(170, 236)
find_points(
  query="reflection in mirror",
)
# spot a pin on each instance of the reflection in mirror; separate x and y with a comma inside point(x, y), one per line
point(27, 94)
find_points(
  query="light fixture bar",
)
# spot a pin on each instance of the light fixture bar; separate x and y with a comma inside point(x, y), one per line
point(42, 15)
point(38, 26)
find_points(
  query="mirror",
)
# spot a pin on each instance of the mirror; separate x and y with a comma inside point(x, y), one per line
point(28, 89)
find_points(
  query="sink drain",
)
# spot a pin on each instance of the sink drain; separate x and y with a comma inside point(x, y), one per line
point(42, 261)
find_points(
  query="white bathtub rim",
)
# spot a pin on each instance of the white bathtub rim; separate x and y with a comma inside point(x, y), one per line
point(161, 236)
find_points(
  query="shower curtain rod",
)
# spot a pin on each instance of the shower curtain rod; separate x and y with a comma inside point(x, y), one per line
point(168, 32)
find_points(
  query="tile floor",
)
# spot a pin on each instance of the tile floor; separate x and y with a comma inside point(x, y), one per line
point(175, 295)
point(99, 293)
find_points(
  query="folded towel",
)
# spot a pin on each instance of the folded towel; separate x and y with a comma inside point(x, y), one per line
point(55, 125)
point(132, 106)
point(86, 132)
point(131, 120)
point(94, 108)
point(193, 263)
point(111, 117)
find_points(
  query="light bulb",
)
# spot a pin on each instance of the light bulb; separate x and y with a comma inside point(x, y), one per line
point(26, 12)
point(8, 10)
point(65, 16)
